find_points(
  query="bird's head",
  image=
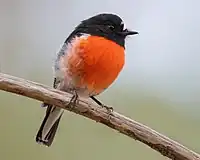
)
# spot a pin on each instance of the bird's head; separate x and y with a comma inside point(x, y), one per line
point(109, 26)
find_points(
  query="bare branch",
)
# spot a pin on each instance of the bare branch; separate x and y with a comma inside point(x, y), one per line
point(124, 125)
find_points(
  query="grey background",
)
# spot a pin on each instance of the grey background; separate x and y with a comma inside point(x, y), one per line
point(159, 85)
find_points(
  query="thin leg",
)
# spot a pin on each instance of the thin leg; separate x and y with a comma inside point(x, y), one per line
point(73, 100)
point(110, 109)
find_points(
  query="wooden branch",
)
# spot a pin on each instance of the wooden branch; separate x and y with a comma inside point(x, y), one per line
point(124, 125)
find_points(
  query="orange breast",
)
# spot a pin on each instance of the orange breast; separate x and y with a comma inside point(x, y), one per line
point(95, 63)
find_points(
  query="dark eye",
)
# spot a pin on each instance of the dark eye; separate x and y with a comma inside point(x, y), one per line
point(111, 27)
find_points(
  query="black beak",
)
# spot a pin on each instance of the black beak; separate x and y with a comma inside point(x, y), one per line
point(127, 32)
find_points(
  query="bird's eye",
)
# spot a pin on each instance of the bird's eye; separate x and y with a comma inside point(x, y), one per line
point(111, 27)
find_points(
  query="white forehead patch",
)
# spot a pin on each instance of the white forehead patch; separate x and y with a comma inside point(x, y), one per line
point(122, 23)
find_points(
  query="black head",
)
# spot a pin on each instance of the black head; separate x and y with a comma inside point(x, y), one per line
point(109, 26)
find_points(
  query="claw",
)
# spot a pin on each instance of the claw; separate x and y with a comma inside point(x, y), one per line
point(110, 111)
point(73, 101)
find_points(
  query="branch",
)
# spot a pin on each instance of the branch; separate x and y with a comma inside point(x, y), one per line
point(124, 125)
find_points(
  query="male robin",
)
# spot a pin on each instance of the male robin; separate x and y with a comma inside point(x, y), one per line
point(89, 61)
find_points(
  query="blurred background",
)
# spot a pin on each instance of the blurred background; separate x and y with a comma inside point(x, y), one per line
point(158, 87)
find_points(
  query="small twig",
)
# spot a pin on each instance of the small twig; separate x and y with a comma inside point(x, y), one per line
point(124, 125)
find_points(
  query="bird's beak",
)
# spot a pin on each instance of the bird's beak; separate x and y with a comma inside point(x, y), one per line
point(127, 32)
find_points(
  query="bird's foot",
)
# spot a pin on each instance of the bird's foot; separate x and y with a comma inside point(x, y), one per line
point(73, 101)
point(109, 109)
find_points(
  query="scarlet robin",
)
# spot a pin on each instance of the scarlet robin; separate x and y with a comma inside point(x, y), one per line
point(89, 61)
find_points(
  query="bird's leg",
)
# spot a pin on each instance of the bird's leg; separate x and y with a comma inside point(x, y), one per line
point(109, 109)
point(73, 100)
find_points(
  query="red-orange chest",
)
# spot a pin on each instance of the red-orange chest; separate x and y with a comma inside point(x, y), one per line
point(94, 62)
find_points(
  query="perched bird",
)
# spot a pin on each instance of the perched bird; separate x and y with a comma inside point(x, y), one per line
point(88, 62)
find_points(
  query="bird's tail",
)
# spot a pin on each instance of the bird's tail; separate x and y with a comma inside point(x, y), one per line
point(49, 125)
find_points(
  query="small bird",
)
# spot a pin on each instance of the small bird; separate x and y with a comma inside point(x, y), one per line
point(88, 62)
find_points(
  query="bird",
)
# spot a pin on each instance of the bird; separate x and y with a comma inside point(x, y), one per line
point(88, 62)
